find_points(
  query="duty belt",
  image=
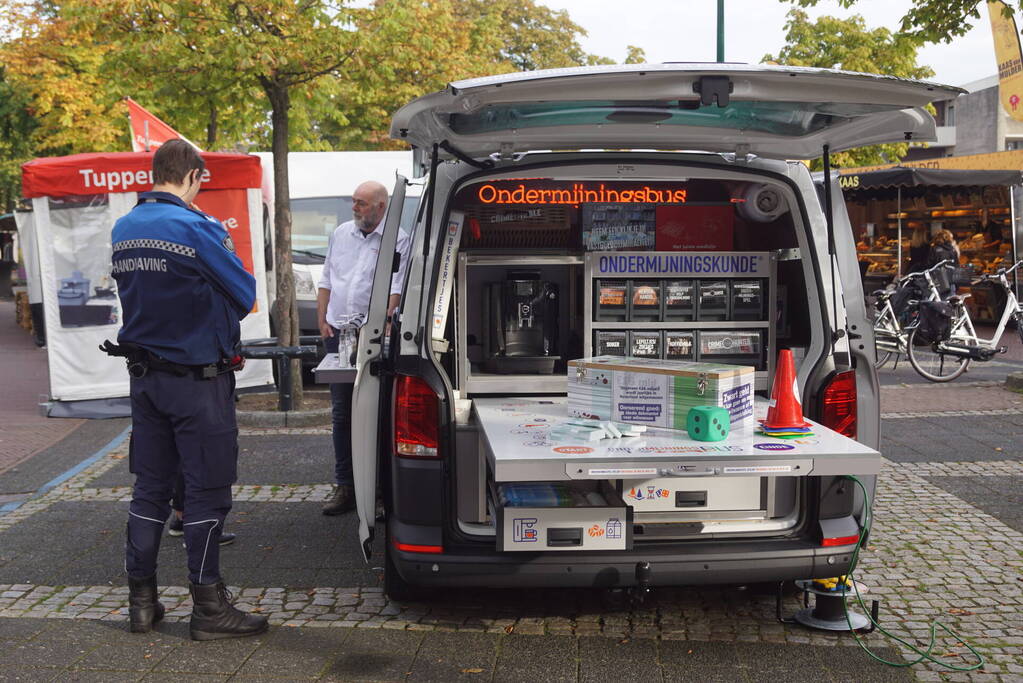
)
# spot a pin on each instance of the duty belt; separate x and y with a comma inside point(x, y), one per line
point(140, 361)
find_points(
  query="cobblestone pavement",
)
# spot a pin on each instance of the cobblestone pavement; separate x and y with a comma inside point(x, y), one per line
point(950, 400)
point(931, 556)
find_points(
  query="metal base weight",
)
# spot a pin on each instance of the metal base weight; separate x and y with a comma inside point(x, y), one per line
point(816, 617)
point(829, 611)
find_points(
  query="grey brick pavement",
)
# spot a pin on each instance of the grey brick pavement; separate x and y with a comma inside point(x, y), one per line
point(45, 650)
point(946, 544)
point(23, 431)
point(932, 555)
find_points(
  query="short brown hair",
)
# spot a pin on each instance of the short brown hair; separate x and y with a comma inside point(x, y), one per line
point(174, 160)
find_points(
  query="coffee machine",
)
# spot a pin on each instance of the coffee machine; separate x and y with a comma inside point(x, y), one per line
point(520, 325)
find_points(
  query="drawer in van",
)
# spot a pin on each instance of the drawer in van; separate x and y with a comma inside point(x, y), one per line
point(546, 516)
point(737, 347)
point(699, 494)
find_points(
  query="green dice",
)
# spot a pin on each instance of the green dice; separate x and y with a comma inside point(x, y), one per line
point(708, 423)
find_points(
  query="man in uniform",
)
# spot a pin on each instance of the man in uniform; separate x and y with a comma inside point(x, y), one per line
point(183, 291)
point(344, 290)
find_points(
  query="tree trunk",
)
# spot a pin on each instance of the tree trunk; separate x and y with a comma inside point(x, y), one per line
point(286, 307)
point(211, 128)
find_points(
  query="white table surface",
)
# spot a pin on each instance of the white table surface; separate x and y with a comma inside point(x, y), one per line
point(516, 438)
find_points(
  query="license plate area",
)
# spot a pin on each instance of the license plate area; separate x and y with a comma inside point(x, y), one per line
point(560, 516)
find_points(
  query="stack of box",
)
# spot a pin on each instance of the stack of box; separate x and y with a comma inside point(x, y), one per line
point(657, 393)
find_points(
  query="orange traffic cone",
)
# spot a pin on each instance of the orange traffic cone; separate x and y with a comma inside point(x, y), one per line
point(785, 411)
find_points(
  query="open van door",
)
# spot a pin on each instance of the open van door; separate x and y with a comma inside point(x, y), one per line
point(366, 393)
point(780, 112)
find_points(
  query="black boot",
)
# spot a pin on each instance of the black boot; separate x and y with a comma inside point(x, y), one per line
point(214, 617)
point(342, 499)
point(143, 607)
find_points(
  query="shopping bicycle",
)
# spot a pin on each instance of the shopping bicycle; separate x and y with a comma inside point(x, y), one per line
point(891, 326)
point(946, 359)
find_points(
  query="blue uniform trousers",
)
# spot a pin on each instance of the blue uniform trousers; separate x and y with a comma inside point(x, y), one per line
point(186, 425)
point(341, 422)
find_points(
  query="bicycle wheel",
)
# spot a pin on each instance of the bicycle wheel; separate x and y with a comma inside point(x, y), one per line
point(882, 358)
point(931, 364)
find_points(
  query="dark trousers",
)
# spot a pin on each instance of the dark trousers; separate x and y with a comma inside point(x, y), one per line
point(341, 421)
point(181, 425)
point(178, 496)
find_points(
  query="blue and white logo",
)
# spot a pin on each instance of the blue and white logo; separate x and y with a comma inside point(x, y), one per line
point(773, 446)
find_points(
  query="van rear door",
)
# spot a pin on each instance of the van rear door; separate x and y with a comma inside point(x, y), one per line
point(366, 394)
point(770, 111)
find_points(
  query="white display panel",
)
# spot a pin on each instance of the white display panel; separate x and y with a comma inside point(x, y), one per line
point(77, 239)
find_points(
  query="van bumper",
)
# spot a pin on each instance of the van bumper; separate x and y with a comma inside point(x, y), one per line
point(676, 567)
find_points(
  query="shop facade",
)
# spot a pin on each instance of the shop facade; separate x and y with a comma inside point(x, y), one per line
point(895, 209)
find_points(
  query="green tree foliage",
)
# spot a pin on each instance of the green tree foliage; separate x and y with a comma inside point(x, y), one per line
point(848, 44)
point(283, 74)
point(634, 55)
point(468, 38)
point(932, 21)
point(76, 59)
point(399, 61)
point(279, 48)
point(16, 128)
point(53, 99)
point(525, 35)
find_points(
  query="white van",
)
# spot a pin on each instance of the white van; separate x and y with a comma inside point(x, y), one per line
point(320, 187)
point(655, 211)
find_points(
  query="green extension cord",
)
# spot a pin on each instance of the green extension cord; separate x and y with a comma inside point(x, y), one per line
point(923, 654)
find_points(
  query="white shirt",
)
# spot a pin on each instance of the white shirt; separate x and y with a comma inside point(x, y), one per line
point(351, 262)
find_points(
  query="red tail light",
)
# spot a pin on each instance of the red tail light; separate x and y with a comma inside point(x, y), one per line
point(416, 424)
point(840, 540)
point(414, 548)
point(839, 404)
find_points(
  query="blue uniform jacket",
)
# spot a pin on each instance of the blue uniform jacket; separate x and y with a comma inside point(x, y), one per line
point(182, 288)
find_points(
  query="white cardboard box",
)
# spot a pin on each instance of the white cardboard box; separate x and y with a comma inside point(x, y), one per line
point(657, 393)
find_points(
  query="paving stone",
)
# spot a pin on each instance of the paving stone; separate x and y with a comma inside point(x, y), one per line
point(294, 653)
point(210, 657)
point(377, 655)
point(941, 541)
point(631, 660)
point(526, 658)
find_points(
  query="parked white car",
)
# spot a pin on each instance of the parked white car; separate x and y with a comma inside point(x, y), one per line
point(321, 186)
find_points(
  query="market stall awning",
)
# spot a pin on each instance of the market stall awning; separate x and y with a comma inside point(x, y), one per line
point(107, 172)
point(906, 176)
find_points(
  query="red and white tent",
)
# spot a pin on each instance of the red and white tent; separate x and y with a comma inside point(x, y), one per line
point(66, 237)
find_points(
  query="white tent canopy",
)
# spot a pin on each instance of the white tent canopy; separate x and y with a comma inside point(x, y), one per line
point(66, 243)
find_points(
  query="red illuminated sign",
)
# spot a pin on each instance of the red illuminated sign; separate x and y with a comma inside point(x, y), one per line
point(577, 194)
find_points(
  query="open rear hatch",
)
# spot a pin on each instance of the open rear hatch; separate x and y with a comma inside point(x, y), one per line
point(769, 111)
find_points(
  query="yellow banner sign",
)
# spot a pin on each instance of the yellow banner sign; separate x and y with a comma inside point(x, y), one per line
point(1010, 63)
